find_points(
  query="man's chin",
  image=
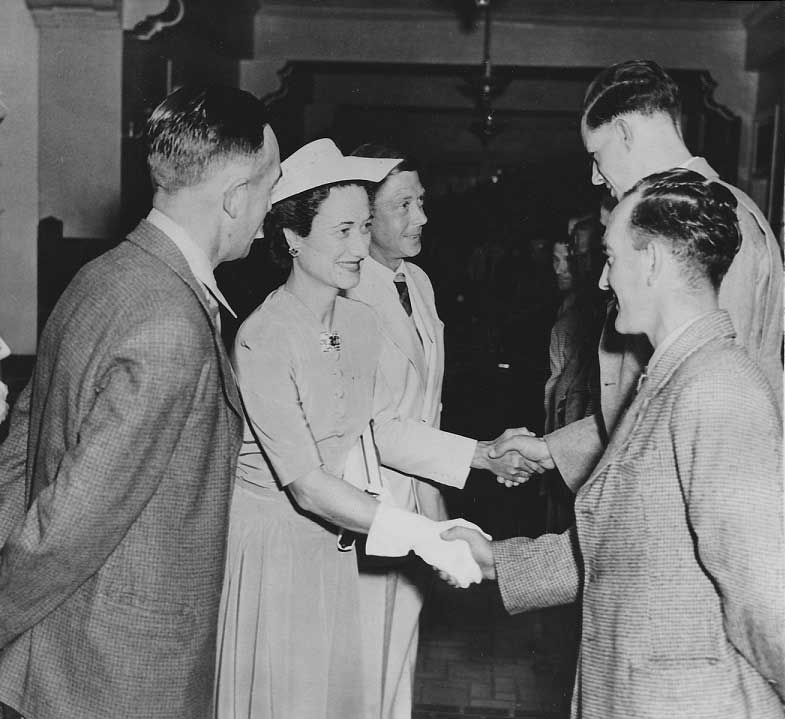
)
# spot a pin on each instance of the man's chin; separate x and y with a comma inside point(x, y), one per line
point(414, 248)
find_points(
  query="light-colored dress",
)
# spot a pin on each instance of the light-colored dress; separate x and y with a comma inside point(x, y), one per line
point(288, 639)
point(289, 634)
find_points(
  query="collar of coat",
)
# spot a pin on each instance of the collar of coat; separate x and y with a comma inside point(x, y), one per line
point(155, 242)
point(707, 328)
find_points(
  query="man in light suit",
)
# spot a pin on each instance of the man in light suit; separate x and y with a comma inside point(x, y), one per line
point(413, 365)
point(116, 476)
point(678, 549)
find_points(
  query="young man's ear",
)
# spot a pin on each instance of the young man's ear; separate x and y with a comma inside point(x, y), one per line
point(624, 130)
point(654, 257)
point(235, 197)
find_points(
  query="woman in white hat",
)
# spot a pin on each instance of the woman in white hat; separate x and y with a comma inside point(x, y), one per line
point(306, 363)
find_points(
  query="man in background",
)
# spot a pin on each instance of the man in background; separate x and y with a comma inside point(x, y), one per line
point(116, 477)
point(412, 364)
point(631, 127)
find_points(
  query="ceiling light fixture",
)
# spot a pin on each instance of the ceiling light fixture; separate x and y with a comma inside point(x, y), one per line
point(487, 86)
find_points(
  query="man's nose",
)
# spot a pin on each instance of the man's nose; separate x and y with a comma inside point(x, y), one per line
point(361, 244)
point(603, 283)
point(419, 218)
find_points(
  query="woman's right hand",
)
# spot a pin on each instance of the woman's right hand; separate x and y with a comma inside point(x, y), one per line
point(395, 532)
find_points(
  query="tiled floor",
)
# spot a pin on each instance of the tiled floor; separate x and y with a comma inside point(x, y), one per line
point(476, 661)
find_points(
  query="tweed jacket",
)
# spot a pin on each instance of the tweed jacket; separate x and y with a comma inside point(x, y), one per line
point(116, 480)
point(678, 546)
point(414, 374)
point(751, 292)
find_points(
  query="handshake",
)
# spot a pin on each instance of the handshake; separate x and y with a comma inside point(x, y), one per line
point(458, 550)
point(513, 456)
point(395, 532)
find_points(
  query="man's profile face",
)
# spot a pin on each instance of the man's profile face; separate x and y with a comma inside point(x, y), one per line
point(398, 219)
point(562, 266)
point(625, 271)
point(613, 164)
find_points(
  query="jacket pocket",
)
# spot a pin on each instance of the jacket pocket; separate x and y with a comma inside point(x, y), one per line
point(143, 616)
point(698, 688)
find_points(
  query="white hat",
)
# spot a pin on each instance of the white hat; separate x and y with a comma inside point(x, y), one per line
point(321, 163)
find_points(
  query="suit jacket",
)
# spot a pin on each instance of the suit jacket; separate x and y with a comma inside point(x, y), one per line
point(751, 292)
point(116, 482)
point(680, 547)
point(572, 390)
point(414, 372)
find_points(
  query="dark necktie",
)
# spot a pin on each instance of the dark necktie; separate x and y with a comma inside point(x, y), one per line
point(403, 293)
point(214, 305)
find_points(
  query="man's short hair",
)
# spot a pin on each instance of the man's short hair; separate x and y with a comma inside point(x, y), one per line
point(374, 149)
point(198, 127)
point(632, 86)
point(694, 217)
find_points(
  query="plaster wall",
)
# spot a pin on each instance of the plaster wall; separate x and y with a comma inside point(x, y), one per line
point(80, 65)
point(18, 176)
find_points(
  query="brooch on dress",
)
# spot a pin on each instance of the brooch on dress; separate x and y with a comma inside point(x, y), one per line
point(330, 341)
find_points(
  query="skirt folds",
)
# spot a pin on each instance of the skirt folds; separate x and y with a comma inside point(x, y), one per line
point(289, 644)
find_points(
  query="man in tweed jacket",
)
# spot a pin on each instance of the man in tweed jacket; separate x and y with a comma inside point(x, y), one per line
point(678, 546)
point(116, 476)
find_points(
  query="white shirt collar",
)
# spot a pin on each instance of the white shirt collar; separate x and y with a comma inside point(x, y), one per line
point(383, 270)
point(194, 255)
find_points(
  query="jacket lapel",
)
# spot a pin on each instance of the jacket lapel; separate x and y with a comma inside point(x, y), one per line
point(699, 165)
point(149, 238)
point(432, 341)
point(710, 327)
point(395, 325)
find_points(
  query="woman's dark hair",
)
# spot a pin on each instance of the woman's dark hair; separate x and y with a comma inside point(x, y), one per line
point(296, 213)
point(195, 127)
point(373, 149)
point(694, 216)
point(632, 86)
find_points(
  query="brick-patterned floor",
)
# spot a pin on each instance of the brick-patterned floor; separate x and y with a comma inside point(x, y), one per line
point(477, 662)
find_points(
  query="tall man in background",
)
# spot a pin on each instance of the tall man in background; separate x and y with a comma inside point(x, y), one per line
point(631, 127)
point(116, 476)
point(412, 363)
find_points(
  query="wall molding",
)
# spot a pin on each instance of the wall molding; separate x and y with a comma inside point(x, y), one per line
point(76, 14)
